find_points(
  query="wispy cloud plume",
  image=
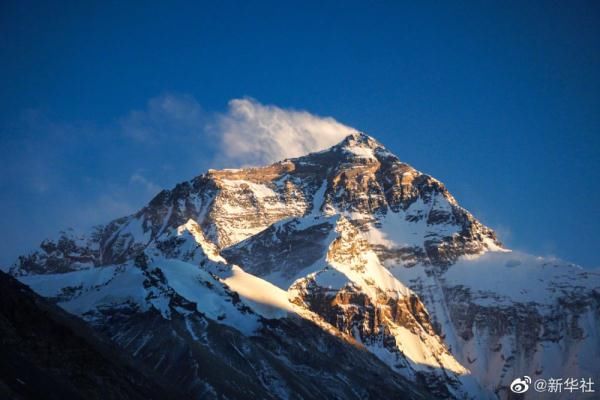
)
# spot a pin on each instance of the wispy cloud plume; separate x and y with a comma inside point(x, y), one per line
point(247, 133)
point(252, 133)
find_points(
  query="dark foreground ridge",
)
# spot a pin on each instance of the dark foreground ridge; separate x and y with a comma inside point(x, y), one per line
point(49, 354)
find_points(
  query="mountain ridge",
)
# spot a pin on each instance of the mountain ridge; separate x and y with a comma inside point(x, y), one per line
point(47, 353)
point(350, 238)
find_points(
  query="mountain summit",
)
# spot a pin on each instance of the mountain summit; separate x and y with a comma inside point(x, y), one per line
point(344, 273)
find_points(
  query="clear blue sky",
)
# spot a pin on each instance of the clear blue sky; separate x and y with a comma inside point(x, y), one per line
point(499, 100)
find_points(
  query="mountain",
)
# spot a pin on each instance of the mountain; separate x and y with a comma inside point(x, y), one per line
point(344, 273)
point(47, 353)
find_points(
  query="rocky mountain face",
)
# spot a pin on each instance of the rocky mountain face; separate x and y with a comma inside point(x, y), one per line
point(49, 354)
point(340, 274)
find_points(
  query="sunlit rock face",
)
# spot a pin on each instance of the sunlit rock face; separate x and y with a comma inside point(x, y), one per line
point(345, 266)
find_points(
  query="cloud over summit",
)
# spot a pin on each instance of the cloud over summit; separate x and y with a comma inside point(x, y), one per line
point(58, 174)
point(252, 133)
point(247, 133)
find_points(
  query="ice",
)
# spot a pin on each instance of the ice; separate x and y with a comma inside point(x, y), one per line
point(361, 151)
point(397, 231)
point(319, 198)
point(135, 228)
point(264, 297)
point(197, 286)
point(517, 277)
point(51, 285)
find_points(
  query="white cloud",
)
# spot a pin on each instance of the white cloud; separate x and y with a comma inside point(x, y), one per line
point(251, 133)
point(248, 133)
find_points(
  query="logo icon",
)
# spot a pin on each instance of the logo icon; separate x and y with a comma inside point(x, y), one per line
point(520, 385)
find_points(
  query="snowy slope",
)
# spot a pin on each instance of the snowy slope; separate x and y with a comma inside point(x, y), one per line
point(508, 314)
point(351, 240)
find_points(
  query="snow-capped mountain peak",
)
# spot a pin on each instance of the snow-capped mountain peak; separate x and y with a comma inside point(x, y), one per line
point(351, 244)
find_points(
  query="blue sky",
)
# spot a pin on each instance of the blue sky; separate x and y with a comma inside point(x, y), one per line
point(101, 105)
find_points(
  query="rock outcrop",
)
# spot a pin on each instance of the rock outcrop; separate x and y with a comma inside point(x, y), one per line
point(348, 255)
